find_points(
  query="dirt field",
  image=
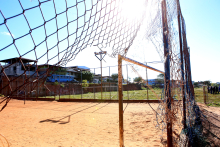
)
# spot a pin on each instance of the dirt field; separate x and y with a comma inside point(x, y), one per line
point(57, 124)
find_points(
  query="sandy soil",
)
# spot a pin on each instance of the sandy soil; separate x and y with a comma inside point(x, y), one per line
point(57, 124)
point(215, 110)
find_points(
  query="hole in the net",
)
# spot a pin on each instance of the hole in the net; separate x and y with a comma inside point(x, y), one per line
point(38, 35)
point(6, 6)
point(63, 45)
point(41, 50)
point(9, 52)
point(48, 10)
point(51, 27)
point(18, 26)
point(72, 27)
point(5, 37)
point(52, 41)
point(60, 6)
point(62, 33)
point(81, 8)
point(71, 3)
point(30, 55)
point(29, 4)
point(72, 14)
point(61, 20)
point(34, 17)
point(1, 19)
point(72, 39)
point(24, 45)
point(52, 55)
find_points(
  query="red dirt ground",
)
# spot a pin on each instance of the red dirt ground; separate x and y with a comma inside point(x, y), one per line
point(70, 124)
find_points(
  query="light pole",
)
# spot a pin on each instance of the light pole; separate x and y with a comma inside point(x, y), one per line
point(100, 59)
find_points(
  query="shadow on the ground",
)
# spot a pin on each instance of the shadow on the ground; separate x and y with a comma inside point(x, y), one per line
point(60, 119)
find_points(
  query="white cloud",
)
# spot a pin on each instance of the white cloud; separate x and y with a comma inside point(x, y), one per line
point(6, 33)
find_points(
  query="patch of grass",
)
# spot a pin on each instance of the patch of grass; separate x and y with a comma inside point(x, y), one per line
point(214, 104)
point(213, 99)
point(131, 95)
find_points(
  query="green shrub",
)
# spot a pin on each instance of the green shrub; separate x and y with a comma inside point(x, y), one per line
point(56, 83)
point(143, 88)
point(84, 83)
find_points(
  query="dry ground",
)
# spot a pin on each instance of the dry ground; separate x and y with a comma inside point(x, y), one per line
point(57, 124)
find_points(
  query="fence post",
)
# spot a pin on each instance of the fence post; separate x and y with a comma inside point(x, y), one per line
point(81, 86)
point(204, 93)
point(127, 82)
point(59, 87)
point(147, 83)
point(94, 91)
point(120, 96)
point(109, 83)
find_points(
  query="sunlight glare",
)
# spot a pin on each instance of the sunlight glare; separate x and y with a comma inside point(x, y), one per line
point(133, 9)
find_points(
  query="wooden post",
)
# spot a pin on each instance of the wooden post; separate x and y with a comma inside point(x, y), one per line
point(120, 97)
point(94, 91)
point(109, 83)
point(204, 93)
point(81, 86)
point(101, 74)
point(127, 82)
point(167, 73)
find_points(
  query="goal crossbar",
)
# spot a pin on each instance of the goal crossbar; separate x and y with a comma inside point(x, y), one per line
point(140, 64)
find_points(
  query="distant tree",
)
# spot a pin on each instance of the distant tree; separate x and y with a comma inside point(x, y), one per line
point(86, 75)
point(137, 79)
point(114, 77)
point(214, 84)
point(208, 83)
point(160, 76)
point(196, 84)
point(160, 80)
point(129, 79)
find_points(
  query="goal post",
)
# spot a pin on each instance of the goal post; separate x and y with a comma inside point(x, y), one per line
point(120, 92)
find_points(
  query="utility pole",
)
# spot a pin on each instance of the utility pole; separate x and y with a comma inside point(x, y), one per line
point(167, 72)
point(100, 59)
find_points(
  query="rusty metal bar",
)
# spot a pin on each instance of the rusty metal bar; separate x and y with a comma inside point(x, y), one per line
point(167, 72)
point(140, 64)
point(182, 69)
point(120, 97)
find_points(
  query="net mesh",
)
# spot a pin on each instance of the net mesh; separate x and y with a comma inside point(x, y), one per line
point(53, 32)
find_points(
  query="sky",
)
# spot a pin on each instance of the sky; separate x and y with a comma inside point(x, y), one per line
point(202, 19)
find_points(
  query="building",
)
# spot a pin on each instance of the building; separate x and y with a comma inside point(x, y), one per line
point(151, 82)
point(16, 66)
